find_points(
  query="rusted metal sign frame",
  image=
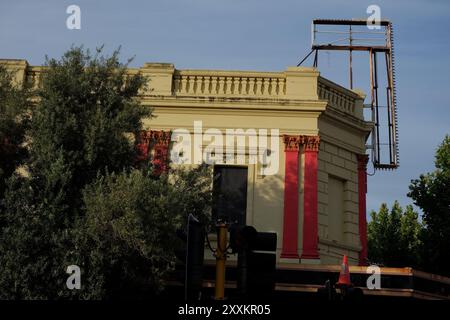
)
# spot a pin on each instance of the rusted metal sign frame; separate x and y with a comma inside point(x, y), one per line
point(353, 44)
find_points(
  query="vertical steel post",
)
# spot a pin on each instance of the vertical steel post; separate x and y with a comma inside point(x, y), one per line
point(377, 123)
point(351, 57)
point(221, 257)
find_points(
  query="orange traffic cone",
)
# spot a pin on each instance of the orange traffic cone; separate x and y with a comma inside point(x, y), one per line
point(344, 275)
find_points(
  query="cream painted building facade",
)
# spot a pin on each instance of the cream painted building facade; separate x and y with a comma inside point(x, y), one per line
point(315, 201)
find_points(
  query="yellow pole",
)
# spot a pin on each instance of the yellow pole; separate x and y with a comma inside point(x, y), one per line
point(221, 257)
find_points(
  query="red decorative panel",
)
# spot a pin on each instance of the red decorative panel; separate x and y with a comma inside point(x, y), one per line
point(310, 218)
point(362, 190)
point(154, 146)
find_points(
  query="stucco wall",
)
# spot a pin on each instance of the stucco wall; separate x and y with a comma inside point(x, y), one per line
point(296, 101)
point(338, 173)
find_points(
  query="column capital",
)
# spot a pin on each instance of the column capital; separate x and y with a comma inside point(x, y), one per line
point(154, 143)
point(311, 143)
point(160, 137)
point(362, 161)
point(155, 137)
point(292, 143)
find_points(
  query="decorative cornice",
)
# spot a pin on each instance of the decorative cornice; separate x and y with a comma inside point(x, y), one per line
point(292, 143)
point(155, 137)
point(311, 143)
point(362, 161)
point(160, 137)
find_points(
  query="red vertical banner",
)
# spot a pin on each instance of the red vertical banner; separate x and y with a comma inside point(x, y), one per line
point(362, 191)
point(153, 147)
point(142, 147)
point(310, 218)
point(160, 151)
point(290, 217)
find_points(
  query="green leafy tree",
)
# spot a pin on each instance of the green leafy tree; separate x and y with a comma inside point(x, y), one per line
point(130, 227)
point(81, 202)
point(14, 107)
point(410, 234)
point(393, 236)
point(86, 106)
point(431, 192)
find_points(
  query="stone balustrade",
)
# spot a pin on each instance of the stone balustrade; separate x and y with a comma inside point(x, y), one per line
point(296, 83)
point(33, 76)
point(211, 83)
point(347, 101)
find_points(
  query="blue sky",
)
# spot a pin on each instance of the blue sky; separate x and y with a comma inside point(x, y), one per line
point(259, 35)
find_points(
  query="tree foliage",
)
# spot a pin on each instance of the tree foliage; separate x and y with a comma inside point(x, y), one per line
point(14, 107)
point(87, 106)
point(81, 202)
point(394, 236)
point(128, 231)
point(431, 192)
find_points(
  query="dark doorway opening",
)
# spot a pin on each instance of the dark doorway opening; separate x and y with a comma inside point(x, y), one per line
point(230, 194)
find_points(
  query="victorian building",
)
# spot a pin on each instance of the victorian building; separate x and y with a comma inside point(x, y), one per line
point(311, 191)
